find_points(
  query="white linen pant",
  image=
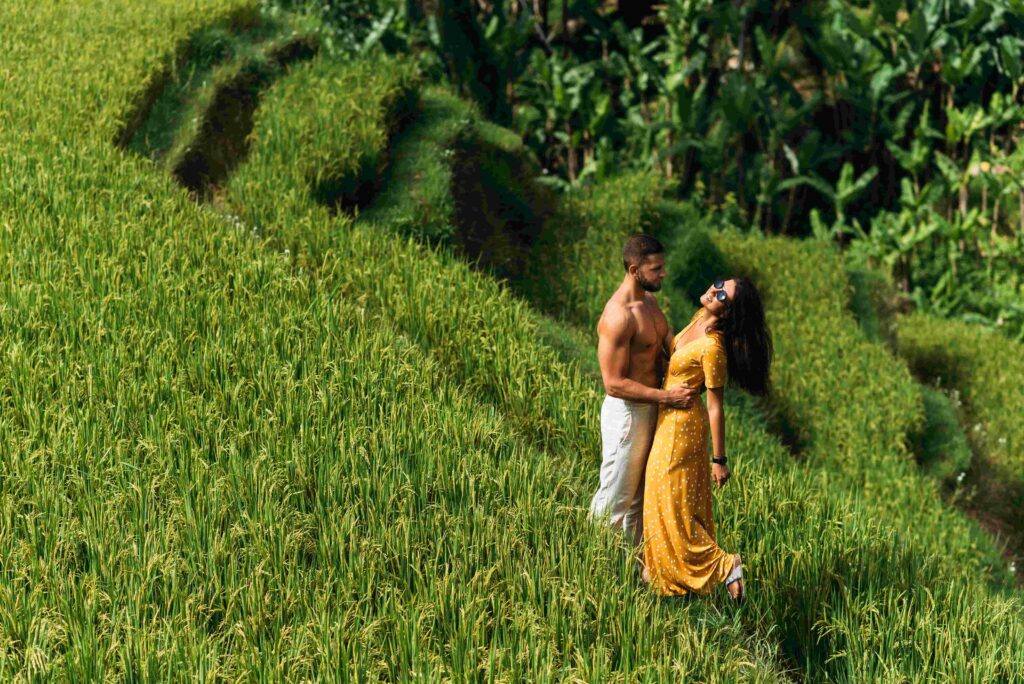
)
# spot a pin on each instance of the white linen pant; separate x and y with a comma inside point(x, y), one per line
point(627, 430)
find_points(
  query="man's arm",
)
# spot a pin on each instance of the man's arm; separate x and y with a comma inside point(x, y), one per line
point(668, 345)
point(614, 334)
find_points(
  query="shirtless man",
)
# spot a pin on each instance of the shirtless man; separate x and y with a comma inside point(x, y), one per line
point(634, 343)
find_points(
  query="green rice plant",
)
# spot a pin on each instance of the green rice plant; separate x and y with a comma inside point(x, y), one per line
point(826, 535)
point(337, 454)
point(218, 466)
point(576, 263)
point(211, 143)
point(405, 282)
point(416, 198)
point(817, 346)
point(940, 444)
point(458, 181)
point(181, 98)
point(345, 137)
point(465, 334)
point(874, 301)
point(849, 402)
point(983, 369)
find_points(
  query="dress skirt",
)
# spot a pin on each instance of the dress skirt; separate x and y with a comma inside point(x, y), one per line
point(680, 552)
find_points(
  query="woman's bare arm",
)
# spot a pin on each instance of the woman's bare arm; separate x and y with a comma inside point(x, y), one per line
point(716, 417)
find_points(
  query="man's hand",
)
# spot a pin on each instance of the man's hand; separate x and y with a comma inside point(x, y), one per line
point(720, 473)
point(681, 396)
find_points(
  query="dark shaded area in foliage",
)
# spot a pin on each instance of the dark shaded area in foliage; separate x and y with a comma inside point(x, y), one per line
point(500, 210)
point(174, 94)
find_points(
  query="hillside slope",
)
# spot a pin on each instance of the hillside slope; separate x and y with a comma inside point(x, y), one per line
point(336, 453)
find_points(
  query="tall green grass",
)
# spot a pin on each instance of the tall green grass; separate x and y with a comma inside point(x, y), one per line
point(217, 465)
point(484, 340)
point(177, 103)
point(458, 181)
point(571, 273)
point(337, 454)
point(862, 534)
point(851, 405)
point(983, 368)
point(846, 583)
point(939, 442)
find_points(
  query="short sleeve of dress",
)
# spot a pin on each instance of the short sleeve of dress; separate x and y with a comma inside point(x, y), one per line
point(714, 364)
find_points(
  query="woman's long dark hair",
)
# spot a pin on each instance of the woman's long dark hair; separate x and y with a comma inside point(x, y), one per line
point(748, 342)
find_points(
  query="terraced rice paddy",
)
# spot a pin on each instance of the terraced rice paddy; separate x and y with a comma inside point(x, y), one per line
point(260, 439)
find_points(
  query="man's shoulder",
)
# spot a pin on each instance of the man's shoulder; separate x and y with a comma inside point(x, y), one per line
point(616, 318)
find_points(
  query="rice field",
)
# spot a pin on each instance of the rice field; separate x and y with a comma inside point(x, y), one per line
point(982, 370)
point(262, 440)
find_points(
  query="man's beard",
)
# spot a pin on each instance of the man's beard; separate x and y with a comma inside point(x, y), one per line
point(646, 284)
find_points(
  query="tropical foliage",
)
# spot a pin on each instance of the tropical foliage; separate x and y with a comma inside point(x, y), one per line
point(890, 128)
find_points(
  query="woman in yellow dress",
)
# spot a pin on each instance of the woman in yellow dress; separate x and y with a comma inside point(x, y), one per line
point(727, 336)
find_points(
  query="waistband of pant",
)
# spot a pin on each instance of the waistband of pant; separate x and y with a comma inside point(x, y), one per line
point(631, 405)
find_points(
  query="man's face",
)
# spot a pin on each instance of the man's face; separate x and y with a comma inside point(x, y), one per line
point(650, 273)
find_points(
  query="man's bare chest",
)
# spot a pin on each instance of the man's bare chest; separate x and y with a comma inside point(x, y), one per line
point(651, 328)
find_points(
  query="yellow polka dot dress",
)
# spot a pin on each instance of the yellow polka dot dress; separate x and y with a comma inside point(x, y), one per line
point(680, 552)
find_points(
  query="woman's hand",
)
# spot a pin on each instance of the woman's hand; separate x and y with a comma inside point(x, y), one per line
point(720, 473)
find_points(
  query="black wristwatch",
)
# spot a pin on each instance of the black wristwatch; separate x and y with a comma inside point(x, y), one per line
point(719, 461)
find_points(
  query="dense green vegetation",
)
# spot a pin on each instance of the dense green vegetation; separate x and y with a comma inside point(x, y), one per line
point(889, 128)
point(407, 299)
point(983, 368)
point(978, 373)
point(292, 434)
point(939, 442)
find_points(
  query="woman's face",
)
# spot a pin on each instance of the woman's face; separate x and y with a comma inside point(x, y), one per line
point(710, 299)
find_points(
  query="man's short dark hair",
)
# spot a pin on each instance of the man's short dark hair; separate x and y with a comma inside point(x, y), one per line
point(638, 247)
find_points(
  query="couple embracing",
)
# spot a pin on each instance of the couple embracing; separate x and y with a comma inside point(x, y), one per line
point(655, 469)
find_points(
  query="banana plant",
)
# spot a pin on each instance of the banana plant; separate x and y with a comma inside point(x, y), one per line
point(846, 190)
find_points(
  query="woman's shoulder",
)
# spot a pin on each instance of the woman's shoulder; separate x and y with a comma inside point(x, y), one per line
point(715, 339)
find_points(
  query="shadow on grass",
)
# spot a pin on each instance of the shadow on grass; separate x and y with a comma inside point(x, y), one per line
point(944, 446)
point(222, 141)
point(197, 112)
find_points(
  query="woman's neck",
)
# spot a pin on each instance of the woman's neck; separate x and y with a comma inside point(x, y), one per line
point(710, 320)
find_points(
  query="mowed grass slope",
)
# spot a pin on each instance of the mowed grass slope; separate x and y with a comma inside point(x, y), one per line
point(224, 460)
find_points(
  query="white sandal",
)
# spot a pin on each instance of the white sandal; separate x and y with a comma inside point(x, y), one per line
point(736, 575)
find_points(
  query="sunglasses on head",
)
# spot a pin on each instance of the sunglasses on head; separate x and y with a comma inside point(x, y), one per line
point(720, 286)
